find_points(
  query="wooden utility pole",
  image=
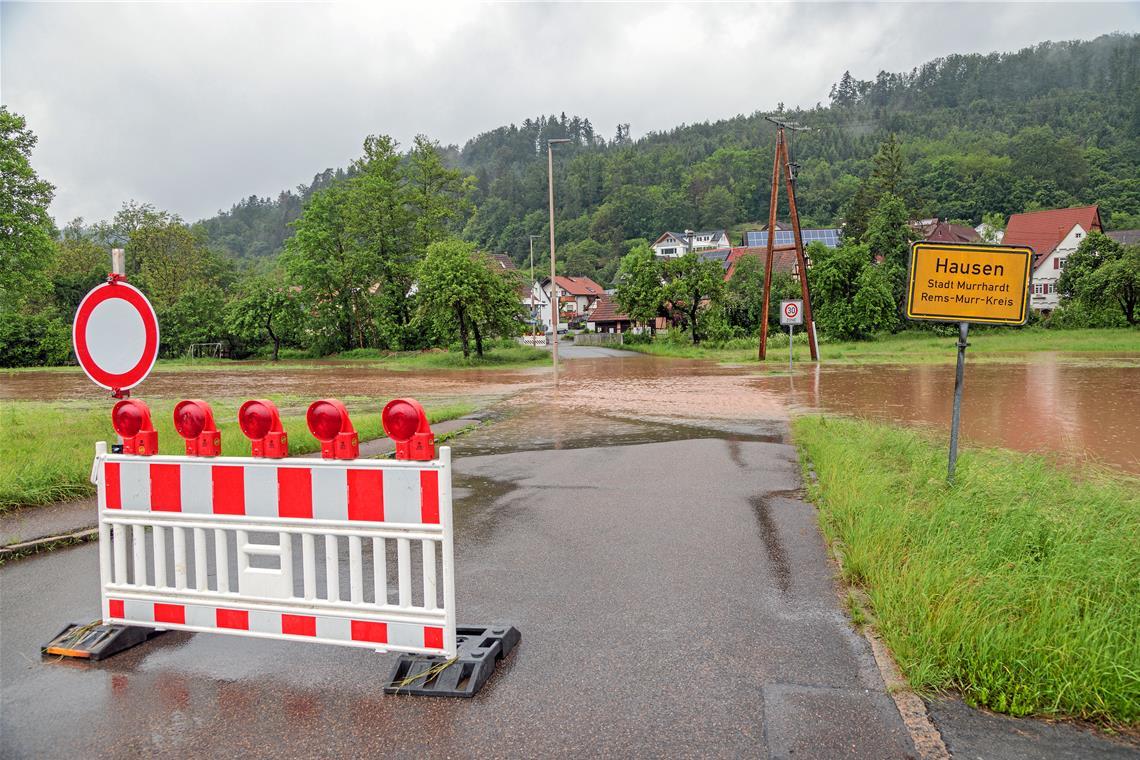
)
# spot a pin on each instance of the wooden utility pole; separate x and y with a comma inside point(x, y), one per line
point(782, 164)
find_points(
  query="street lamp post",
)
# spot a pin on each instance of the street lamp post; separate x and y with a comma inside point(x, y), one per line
point(553, 283)
point(533, 320)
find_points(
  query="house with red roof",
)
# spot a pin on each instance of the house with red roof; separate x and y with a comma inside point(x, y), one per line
point(945, 232)
point(576, 296)
point(782, 260)
point(607, 317)
point(1053, 235)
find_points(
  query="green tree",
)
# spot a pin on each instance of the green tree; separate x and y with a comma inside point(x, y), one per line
point(639, 285)
point(459, 292)
point(690, 284)
point(264, 307)
point(334, 274)
point(26, 230)
point(498, 311)
point(993, 224)
point(78, 265)
point(169, 260)
point(437, 198)
point(382, 240)
point(1103, 273)
point(851, 296)
point(582, 258)
point(889, 172)
point(888, 237)
point(744, 293)
point(718, 209)
point(887, 177)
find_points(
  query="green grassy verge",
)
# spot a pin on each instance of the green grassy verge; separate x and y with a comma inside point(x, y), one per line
point(501, 356)
point(46, 449)
point(1018, 586)
point(991, 345)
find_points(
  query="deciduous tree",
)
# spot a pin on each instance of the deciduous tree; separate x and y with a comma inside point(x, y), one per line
point(639, 285)
point(691, 284)
point(26, 230)
point(1101, 273)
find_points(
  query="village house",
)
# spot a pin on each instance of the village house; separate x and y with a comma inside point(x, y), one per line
point(945, 232)
point(672, 245)
point(576, 296)
point(607, 317)
point(1053, 236)
point(782, 260)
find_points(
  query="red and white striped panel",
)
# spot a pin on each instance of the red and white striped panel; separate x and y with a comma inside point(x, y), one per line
point(329, 629)
point(269, 489)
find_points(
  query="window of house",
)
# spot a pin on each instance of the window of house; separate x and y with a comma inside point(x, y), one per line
point(1037, 289)
point(1077, 236)
point(1062, 263)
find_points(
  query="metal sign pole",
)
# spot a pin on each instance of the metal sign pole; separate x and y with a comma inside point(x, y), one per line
point(791, 329)
point(959, 378)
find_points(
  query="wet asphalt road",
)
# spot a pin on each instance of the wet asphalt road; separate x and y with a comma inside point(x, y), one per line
point(674, 599)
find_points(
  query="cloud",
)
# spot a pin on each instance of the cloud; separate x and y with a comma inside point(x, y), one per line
point(194, 106)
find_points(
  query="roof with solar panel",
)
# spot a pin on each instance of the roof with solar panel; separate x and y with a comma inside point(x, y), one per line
point(759, 238)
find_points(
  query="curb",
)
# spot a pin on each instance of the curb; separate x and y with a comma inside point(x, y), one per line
point(47, 543)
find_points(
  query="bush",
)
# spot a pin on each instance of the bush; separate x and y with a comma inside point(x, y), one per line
point(33, 340)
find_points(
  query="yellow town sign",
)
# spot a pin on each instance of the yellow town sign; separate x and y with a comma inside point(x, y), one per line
point(951, 282)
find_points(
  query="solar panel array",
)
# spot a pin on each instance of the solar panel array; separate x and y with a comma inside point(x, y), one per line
point(759, 239)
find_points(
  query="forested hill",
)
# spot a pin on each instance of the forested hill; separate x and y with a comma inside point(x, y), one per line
point(1054, 125)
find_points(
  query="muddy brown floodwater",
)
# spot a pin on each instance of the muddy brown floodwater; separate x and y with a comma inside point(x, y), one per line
point(1079, 407)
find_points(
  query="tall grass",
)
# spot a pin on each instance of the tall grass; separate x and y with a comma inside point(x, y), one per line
point(46, 449)
point(1019, 586)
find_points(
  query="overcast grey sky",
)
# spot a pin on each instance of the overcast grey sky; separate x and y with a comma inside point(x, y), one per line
point(192, 106)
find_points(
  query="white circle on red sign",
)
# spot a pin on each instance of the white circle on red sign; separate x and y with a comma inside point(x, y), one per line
point(791, 310)
point(115, 335)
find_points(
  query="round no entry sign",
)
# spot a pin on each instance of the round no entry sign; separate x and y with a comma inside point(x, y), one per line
point(115, 335)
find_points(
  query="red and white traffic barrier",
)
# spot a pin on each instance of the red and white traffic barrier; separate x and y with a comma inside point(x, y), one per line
point(254, 546)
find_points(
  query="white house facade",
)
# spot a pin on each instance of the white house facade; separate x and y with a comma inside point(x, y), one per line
point(672, 245)
point(1043, 294)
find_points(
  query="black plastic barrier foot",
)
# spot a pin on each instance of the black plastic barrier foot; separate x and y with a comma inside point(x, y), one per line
point(480, 647)
point(96, 641)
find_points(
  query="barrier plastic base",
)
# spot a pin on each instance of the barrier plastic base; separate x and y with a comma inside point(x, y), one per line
point(480, 647)
point(96, 641)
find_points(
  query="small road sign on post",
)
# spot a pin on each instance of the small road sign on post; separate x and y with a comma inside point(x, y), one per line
point(965, 283)
point(115, 335)
point(791, 314)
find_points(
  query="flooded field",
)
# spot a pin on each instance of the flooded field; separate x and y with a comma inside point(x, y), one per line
point(318, 380)
point(1078, 407)
point(1068, 405)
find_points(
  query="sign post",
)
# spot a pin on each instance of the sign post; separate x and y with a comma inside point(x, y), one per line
point(115, 336)
point(791, 314)
point(967, 283)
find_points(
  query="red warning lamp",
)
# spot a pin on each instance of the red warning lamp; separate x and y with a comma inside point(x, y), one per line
point(329, 423)
point(194, 421)
point(261, 423)
point(131, 420)
point(406, 423)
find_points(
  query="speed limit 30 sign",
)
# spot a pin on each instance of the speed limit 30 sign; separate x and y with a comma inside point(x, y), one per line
point(791, 312)
point(115, 335)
